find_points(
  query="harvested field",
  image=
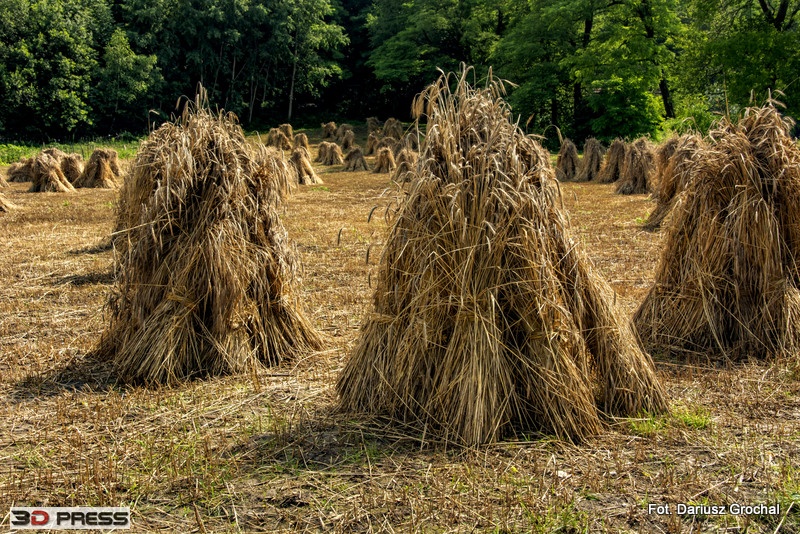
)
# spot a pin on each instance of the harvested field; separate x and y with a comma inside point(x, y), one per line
point(264, 452)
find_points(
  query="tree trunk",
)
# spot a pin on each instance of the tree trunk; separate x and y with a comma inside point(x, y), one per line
point(666, 96)
point(291, 85)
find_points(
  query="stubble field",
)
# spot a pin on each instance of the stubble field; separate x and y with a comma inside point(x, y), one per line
point(267, 452)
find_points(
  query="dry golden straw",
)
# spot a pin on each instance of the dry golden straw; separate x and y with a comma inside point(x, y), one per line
point(406, 161)
point(47, 176)
point(384, 161)
point(487, 319)
point(205, 277)
point(674, 178)
point(341, 131)
point(567, 161)
point(637, 170)
point(5, 205)
point(373, 125)
point(348, 140)
point(727, 280)
point(21, 171)
point(287, 130)
point(328, 130)
point(393, 128)
point(611, 170)
point(305, 172)
point(372, 141)
point(101, 171)
point(354, 161)
point(330, 154)
point(301, 141)
point(276, 138)
point(72, 167)
point(589, 167)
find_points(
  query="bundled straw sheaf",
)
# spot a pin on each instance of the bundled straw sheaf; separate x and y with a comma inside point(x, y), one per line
point(393, 128)
point(406, 161)
point(101, 171)
point(301, 141)
point(567, 161)
point(47, 176)
point(384, 161)
point(5, 205)
point(487, 318)
point(205, 277)
point(674, 178)
point(589, 167)
point(328, 130)
point(22, 171)
point(372, 142)
point(727, 281)
point(278, 139)
point(611, 171)
point(637, 171)
point(72, 167)
point(302, 166)
point(329, 154)
point(373, 125)
point(348, 140)
point(354, 161)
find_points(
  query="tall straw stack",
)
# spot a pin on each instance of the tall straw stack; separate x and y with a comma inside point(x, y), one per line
point(205, 277)
point(589, 167)
point(406, 162)
point(611, 170)
point(277, 139)
point(348, 140)
point(674, 178)
point(287, 130)
point(567, 161)
point(487, 319)
point(373, 125)
point(72, 166)
point(637, 171)
point(330, 154)
point(727, 281)
point(372, 142)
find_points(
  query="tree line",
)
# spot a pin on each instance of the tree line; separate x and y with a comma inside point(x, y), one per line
point(603, 68)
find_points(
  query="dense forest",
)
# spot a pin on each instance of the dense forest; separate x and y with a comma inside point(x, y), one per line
point(605, 68)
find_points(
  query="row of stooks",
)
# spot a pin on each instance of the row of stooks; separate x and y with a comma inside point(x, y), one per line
point(487, 319)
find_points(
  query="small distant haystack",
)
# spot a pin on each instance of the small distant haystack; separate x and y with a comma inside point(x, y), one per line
point(637, 171)
point(591, 162)
point(406, 163)
point(387, 142)
point(206, 280)
point(488, 321)
point(301, 140)
point(55, 153)
point(372, 142)
point(278, 139)
point(101, 171)
point(72, 167)
point(322, 151)
point(373, 124)
point(727, 282)
point(48, 177)
point(287, 130)
point(21, 171)
point(328, 130)
point(567, 161)
point(348, 140)
point(611, 170)
point(341, 131)
point(675, 178)
point(5, 205)
point(332, 154)
point(305, 172)
point(384, 162)
point(393, 128)
point(354, 161)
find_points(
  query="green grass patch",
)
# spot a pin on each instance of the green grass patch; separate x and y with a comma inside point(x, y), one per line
point(11, 153)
